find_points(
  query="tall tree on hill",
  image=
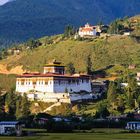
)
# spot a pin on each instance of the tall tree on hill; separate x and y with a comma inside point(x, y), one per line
point(31, 43)
point(69, 31)
point(25, 107)
point(10, 103)
point(1, 105)
point(116, 27)
point(132, 91)
point(18, 108)
point(71, 68)
point(102, 110)
point(89, 65)
point(112, 93)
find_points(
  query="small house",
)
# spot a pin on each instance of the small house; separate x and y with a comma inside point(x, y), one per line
point(10, 128)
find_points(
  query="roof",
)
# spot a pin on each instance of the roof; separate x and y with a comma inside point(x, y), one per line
point(54, 63)
point(9, 123)
point(133, 122)
point(30, 75)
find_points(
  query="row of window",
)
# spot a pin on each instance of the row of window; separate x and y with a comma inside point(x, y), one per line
point(34, 83)
point(55, 82)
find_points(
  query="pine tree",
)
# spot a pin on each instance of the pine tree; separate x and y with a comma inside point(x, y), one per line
point(71, 68)
point(69, 31)
point(112, 92)
point(132, 92)
point(18, 108)
point(1, 105)
point(25, 107)
point(88, 65)
point(10, 103)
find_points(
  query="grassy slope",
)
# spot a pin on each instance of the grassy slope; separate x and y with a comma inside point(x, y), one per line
point(7, 82)
point(104, 52)
point(114, 50)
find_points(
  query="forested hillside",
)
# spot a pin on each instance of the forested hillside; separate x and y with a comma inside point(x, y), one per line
point(24, 19)
point(110, 54)
point(115, 50)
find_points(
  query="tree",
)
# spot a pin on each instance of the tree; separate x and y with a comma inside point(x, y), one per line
point(31, 43)
point(25, 107)
point(121, 103)
point(18, 108)
point(102, 110)
point(112, 94)
point(69, 31)
point(71, 68)
point(116, 27)
point(88, 65)
point(132, 91)
point(10, 103)
point(112, 91)
point(2, 104)
point(22, 107)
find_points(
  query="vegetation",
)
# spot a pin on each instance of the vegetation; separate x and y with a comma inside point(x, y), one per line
point(110, 55)
point(119, 101)
point(7, 82)
point(79, 136)
point(69, 31)
point(103, 53)
point(70, 68)
point(26, 23)
point(14, 106)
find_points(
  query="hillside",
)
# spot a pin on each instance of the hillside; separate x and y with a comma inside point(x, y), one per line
point(114, 50)
point(110, 55)
point(24, 19)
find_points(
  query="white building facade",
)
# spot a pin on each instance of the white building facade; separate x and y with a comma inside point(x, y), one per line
point(10, 128)
point(88, 30)
point(133, 126)
point(52, 81)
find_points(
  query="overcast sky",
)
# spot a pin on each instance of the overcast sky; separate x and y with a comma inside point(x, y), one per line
point(3, 1)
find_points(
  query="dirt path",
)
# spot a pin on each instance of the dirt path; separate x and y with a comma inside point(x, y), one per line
point(15, 70)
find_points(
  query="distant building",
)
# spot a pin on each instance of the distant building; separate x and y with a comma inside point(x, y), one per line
point(53, 84)
point(127, 33)
point(89, 31)
point(133, 126)
point(131, 67)
point(10, 128)
point(138, 76)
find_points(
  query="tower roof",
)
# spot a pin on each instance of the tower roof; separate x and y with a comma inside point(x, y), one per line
point(54, 63)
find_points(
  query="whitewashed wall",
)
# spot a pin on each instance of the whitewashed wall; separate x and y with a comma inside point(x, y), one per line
point(53, 87)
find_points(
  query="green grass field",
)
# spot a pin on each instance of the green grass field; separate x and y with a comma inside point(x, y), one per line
point(78, 136)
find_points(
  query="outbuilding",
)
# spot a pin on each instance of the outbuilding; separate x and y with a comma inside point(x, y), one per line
point(10, 128)
point(133, 126)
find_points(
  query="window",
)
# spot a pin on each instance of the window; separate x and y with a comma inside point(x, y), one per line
point(69, 81)
point(34, 83)
point(73, 81)
point(59, 82)
point(22, 82)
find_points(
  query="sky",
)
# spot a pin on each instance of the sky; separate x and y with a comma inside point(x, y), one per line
point(2, 2)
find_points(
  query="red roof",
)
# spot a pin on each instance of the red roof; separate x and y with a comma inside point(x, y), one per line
point(29, 75)
point(90, 28)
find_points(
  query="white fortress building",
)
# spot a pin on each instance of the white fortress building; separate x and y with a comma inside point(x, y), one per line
point(89, 31)
point(53, 84)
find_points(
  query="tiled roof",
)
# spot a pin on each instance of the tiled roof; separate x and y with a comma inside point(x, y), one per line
point(9, 123)
point(27, 75)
